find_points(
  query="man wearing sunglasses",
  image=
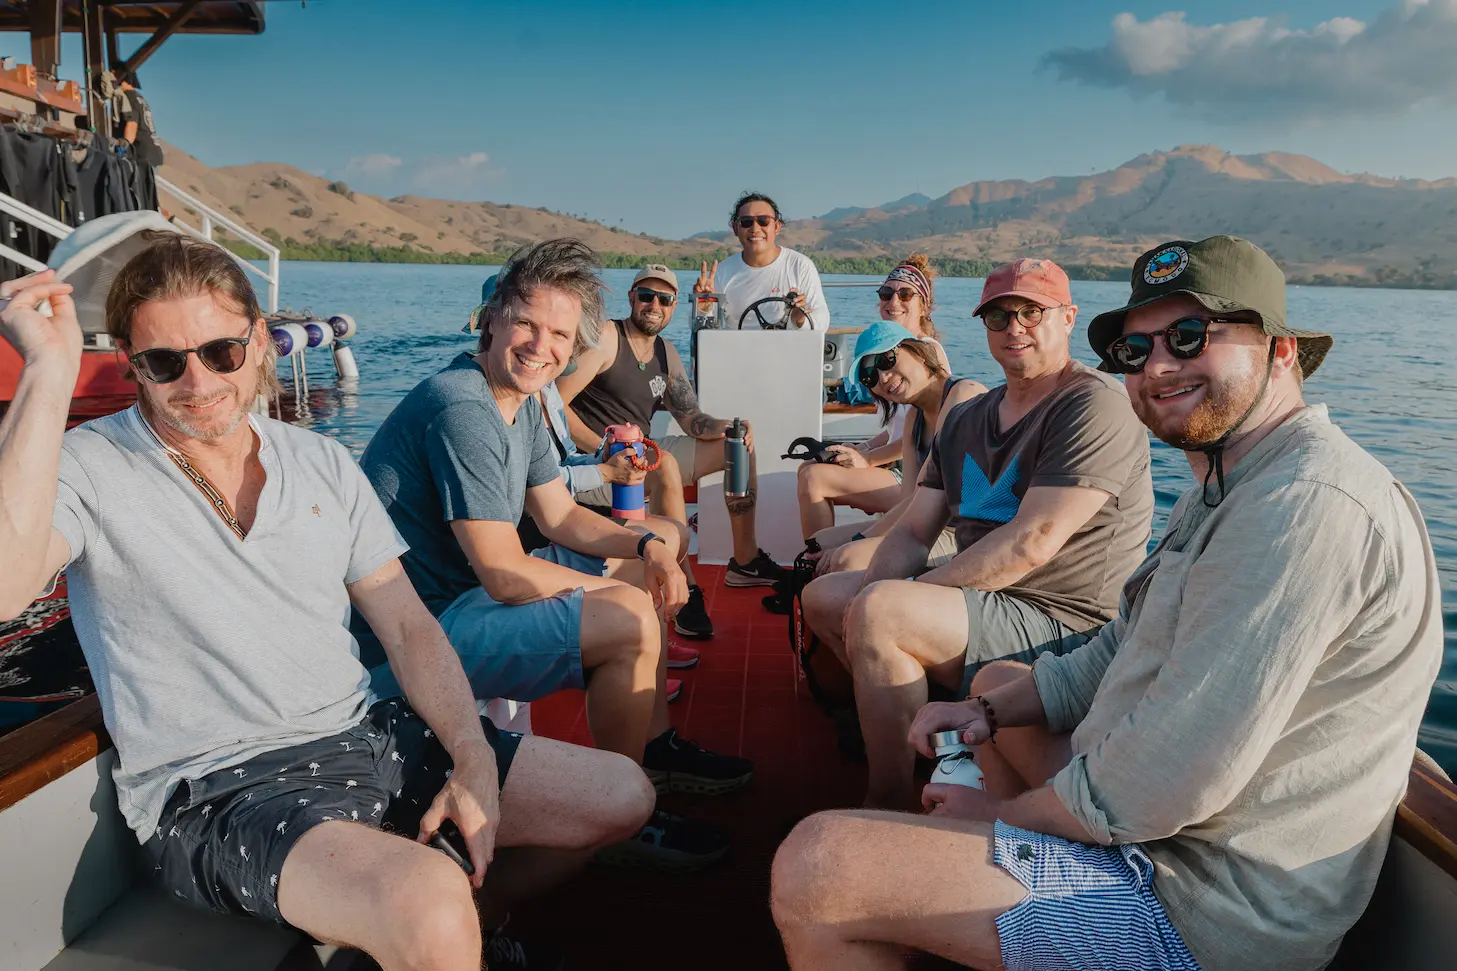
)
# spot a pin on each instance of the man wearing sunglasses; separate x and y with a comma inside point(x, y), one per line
point(626, 378)
point(1210, 781)
point(213, 558)
point(765, 269)
point(1044, 481)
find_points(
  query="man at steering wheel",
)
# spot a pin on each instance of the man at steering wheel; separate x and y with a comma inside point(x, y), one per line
point(767, 286)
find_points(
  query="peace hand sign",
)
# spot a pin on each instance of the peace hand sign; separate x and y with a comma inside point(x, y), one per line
point(705, 283)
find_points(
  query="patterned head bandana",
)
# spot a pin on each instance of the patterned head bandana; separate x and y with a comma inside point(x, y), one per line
point(912, 277)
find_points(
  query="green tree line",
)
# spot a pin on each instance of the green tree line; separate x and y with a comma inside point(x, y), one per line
point(341, 251)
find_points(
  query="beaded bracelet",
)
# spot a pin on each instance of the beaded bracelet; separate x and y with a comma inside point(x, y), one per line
point(991, 716)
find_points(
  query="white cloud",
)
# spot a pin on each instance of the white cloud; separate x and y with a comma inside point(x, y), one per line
point(440, 173)
point(1258, 68)
point(372, 166)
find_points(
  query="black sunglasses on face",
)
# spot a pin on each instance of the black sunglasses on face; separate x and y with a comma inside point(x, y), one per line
point(163, 365)
point(870, 370)
point(905, 293)
point(746, 221)
point(1185, 338)
point(999, 320)
point(646, 295)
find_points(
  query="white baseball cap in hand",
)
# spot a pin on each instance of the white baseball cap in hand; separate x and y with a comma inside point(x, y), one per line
point(90, 258)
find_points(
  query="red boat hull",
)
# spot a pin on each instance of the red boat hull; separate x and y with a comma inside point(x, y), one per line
point(101, 388)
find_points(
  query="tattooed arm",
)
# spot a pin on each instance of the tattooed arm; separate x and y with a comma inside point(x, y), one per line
point(682, 402)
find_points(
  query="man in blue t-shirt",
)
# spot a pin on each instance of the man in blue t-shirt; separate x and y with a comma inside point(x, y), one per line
point(459, 461)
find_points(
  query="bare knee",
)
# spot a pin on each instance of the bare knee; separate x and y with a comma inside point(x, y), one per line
point(624, 624)
point(997, 673)
point(434, 923)
point(624, 804)
point(670, 476)
point(822, 606)
point(806, 865)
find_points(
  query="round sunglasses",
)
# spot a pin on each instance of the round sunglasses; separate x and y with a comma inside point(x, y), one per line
point(163, 365)
point(997, 319)
point(1185, 338)
point(905, 293)
point(869, 373)
point(646, 295)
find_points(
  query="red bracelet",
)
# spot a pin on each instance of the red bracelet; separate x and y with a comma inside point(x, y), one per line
point(991, 716)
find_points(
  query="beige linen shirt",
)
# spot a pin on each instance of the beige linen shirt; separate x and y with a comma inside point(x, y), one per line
point(1250, 715)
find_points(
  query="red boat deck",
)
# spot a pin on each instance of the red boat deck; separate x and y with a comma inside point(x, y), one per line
point(743, 698)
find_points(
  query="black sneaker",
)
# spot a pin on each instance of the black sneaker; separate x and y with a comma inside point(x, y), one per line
point(692, 620)
point(502, 953)
point(677, 765)
point(670, 843)
point(761, 571)
point(780, 602)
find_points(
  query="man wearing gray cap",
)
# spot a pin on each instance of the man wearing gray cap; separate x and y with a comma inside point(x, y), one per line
point(1210, 782)
point(633, 373)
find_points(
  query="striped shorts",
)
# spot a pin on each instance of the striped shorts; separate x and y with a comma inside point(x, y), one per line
point(1087, 908)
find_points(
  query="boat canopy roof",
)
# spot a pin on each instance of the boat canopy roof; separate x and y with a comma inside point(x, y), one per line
point(126, 16)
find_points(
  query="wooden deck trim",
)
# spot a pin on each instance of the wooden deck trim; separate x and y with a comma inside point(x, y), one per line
point(837, 408)
point(38, 754)
point(1427, 818)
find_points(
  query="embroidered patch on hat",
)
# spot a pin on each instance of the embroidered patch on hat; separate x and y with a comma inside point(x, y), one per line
point(1166, 264)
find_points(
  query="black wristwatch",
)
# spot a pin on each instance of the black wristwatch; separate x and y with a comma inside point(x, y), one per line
point(647, 538)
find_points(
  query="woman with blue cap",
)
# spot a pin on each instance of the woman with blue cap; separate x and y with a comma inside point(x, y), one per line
point(864, 477)
point(910, 382)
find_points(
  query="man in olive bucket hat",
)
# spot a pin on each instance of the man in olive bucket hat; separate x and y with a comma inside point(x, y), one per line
point(1210, 781)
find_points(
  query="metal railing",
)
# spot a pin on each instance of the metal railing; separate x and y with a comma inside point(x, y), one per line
point(31, 217)
point(211, 218)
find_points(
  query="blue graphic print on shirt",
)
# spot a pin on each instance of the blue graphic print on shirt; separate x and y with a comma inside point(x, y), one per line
point(981, 499)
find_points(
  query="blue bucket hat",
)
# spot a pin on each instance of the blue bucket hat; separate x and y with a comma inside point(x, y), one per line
point(875, 339)
point(488, 290)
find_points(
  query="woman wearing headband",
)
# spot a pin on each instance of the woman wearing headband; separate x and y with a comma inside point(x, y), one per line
point(859, 478)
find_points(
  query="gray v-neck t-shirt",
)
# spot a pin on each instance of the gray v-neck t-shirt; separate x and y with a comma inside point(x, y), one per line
point(207, 650)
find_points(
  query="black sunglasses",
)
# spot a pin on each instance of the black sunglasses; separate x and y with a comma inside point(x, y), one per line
point(163, 365)
point(746, 221)
point(905, 293)
point(999, 320)
point(646, 295)
point(1185, 338)
point(870, 370)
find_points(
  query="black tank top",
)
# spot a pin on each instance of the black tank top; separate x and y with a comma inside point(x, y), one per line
point(628, 391)
point(919, 428)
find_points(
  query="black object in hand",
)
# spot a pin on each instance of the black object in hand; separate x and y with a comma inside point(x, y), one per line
point(805, 448)
point(449, 840)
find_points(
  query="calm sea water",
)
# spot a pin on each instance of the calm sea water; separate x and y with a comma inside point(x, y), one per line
point(1389, 382)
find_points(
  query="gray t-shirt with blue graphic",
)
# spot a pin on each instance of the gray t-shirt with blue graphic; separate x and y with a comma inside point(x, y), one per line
point(1082, 434)
point(446, 453)
point(208, 650)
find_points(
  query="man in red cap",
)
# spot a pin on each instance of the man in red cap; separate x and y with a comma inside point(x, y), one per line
point(1045, 481)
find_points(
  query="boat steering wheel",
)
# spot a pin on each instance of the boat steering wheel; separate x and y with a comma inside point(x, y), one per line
point(784, 319)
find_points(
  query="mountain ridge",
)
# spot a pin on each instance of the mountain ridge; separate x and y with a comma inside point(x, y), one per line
point(1322, 225)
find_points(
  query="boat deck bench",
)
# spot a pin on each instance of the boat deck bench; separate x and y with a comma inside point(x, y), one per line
point(72, 900)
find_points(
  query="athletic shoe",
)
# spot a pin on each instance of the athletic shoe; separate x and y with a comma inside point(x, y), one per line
point(677, 765)
point(681, 655)
point(674, 687)
point(761, 571)
point(780, 602)
point(692, 620)
point(670, 843)
point(502, 953)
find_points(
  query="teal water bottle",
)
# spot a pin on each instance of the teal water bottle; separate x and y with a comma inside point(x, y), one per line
point(735, 462)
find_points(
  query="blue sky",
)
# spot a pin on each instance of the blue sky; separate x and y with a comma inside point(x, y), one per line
point(656, 115)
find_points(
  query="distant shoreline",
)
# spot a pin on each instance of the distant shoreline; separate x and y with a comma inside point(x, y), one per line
point(343, 252)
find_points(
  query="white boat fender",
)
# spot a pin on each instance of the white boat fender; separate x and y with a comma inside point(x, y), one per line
point(320, 332)
point(344, 364)
point(344, 327)
point(290, 339)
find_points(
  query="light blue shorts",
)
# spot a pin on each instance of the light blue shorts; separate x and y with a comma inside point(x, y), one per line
point(522, 651)
point(1088, 908)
